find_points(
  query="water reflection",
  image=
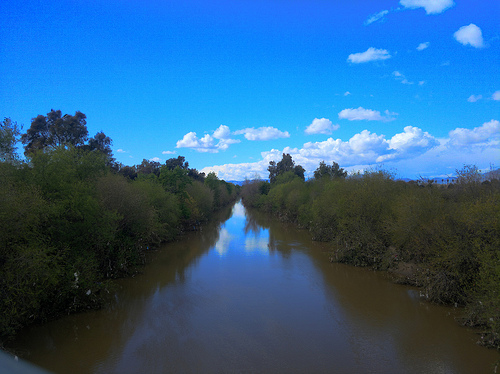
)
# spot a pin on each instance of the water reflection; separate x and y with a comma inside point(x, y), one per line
point(249, 294)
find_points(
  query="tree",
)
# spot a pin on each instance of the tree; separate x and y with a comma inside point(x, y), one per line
point(469, 174)
point(129, 172)
point(285, 165)
point(180, 161)
point(55, 130)
point(148, 167)
point(334, 171)
point(273, 171)
point(176, 180)
point(102, 143)
point(9, 132)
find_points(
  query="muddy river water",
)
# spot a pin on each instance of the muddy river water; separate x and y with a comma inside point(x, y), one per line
point(248, 294)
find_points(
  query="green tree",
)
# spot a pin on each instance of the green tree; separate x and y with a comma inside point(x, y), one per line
point(334, 171)
point(148, 167)
point(174, 180)
point(54, 130)
point(285, 165)
point(9, 132)
point(180, 162)
point(102, 143)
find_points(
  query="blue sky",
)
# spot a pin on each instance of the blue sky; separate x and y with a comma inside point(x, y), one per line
point(412, 86)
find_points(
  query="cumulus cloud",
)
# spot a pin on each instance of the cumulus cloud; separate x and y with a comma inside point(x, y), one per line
point(155, 159)
point(423, 46)
point(222, 132)
point(376, 17)
point(347, 93)
point(372, 54)
point(430, 6)
point(415, 151)
point(471, 35)
point(401, 78)
point(208, 143)
point(487, 133)
point(361, 113)
point(190, 140)
point(364, 148)
point(496, 96)
point(168, 153)
point(413, 141)
point(121, 151)
point(263, 133)
point(474, 98)
point(321, 126)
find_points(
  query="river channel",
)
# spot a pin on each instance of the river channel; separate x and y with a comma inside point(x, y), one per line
point(248, 294)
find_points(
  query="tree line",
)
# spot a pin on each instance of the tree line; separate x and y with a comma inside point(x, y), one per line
point(71, 217)
point(445, 239)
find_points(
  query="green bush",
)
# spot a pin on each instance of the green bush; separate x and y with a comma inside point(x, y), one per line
point(450, 235)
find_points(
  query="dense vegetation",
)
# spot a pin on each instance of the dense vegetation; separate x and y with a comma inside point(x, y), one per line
point(445, 239)
point(71, 217)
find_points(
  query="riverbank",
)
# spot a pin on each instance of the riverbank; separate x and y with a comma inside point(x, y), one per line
point(250, 294)
point(444, 240)
point(70, 222)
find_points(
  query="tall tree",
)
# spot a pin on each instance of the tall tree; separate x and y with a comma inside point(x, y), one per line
point(9, 132)
point(180, 161)
point(54, 130)
point(147, 167)
point(285, 165)
point(102, 143)
point(334, 171)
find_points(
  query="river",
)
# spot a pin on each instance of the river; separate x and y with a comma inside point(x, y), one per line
point(248, 294)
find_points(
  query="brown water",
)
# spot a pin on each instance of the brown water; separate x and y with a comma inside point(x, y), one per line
point(250, 295)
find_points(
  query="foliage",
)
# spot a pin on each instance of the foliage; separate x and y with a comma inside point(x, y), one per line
point(54, 130)
point(449, 235)
point(71, 218)
point(9, 133)
point(334, 171)
point(285, 165)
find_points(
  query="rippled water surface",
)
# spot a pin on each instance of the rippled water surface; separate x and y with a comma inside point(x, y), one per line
point(249, 294)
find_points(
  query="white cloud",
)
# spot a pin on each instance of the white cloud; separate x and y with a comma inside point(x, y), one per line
point(208, 143)
point(409, 143)
point(190, 140)
point(361, 113)
point(121, 151)
point(413, 151)
point(168, 153)
point(263, 133)
point(487, 133)
point(347, 93)
point(401, 78)
point(376, 17)
point(423, 46)
point(321, 126)
point(430, 6)
point(474, 98)
point(222, 132)
point(155, 159)
point(496, 96)
point(421, 83)
point(372, 54)
point(470, 34)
